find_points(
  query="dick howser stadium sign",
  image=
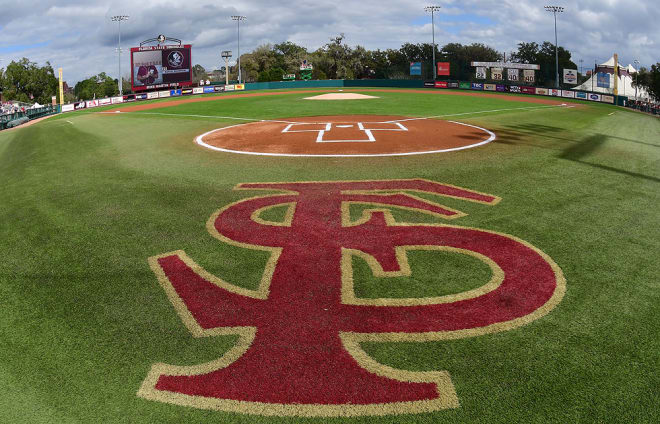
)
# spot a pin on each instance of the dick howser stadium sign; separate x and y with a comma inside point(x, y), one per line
point(298, 352)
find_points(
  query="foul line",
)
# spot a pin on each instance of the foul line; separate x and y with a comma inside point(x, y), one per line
point(563, 105)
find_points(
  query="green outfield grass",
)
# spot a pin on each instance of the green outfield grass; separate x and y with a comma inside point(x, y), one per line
point(87, 198)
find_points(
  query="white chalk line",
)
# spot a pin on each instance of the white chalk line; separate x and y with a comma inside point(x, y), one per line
point(320, 123)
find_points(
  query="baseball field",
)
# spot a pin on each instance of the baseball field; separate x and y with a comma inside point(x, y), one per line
point(415, 257)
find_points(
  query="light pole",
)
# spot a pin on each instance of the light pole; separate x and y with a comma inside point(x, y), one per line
point(636, 62)
point(226, 55)
point(433, 9)
point(555, 10)
point(119, 18)
point(238, 20)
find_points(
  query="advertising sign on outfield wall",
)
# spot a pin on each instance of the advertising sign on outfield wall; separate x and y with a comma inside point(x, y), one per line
point(415, 68)
point(79, 105)
point(152, 95)
point(92, 103)
point(142, 96)
point(198, 90)
point(239, 87)
point(553, 92)
point(117, 99)
point(186, 91)
point(500, 87)
point(594, 97)
point(441, 84)
point(162, 94)
point(568, 94)
point(580, 95)
point(464, 85)
point(528, 90)
point(542, 91)
point(229, 87)
point(208, 90)
point(443, 68)
point(218, 88)
point(477, 86)
point(453, 85)
point(67, 108)
point(106, 101)
point(490, 87)
point(607, 99)
point(570, 76)
point(174, 93)
point(514, 89)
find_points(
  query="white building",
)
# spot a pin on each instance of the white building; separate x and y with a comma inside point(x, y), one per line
point(626, 78)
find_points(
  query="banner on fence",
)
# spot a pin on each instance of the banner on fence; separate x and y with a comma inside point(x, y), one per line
point(142, 96)
point(514, 89)
point(208, 90)
point(570, 76)
point(198, 90)
point(152, 95)
point(441, 84)
point(490, 87)
point(453, 85)
point(594, 97)
point(607, 99)
point(464, 85)
point(444, 68)
point(528, 90)
point(92, 103)
point(79, 105)
point(568, 94)
point(415, 68)
point(186, 91)
point(106, 101)
point(496, 74)
point(481, 72)
point(513, 75)
point(175, 92)
point(239, 87)
point(477, 86)
point(542, 91)
point(229, 87)
point(117, 99)
point(580, 95)
point(67, 108)
point(162, 94)
point(603, 80)
point(528, 75)
point(218, 88)
point(501, 87)
point(553, 92)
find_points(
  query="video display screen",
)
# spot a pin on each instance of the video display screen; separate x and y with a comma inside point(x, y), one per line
point(160, 67)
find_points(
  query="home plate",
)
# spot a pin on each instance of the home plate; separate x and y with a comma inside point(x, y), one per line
point(341, 96)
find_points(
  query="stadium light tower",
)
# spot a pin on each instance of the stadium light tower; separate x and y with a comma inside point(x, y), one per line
point(238, 19)
point(433, 9)
point(555, 10)
point(636, 62)
point(226, 55)
point(119, 18)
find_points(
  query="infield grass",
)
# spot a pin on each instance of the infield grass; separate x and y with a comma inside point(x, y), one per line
point(86, 198)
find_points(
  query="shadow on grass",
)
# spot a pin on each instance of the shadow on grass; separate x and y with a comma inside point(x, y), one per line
point(590, 145)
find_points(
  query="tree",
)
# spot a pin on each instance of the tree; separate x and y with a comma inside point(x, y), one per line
point(199, 73)
point(25, 81)
point(649, 79)
point(544, 56)
point(97, 86)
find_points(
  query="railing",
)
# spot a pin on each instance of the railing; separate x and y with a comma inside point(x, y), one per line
point(14, 119)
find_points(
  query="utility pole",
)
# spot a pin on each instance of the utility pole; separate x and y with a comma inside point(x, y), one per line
point(636, 62)
point(555, 10)
point(433, 9)
point(226, 55)
point(238, 19)
point(119, 18)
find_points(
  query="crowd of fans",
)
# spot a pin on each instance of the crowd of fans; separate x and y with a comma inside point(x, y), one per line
point(10, 108)
point(648, 107)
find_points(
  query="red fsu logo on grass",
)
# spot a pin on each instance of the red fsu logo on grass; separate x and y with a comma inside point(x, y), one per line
point(298, 352)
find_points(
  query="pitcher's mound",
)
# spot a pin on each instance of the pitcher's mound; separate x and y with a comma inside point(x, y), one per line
point(346, 136)
point(341, 96)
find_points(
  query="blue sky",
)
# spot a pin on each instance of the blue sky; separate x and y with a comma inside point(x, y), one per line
point(79, 36)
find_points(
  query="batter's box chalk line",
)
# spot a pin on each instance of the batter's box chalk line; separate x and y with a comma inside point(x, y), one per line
point(327, 128)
